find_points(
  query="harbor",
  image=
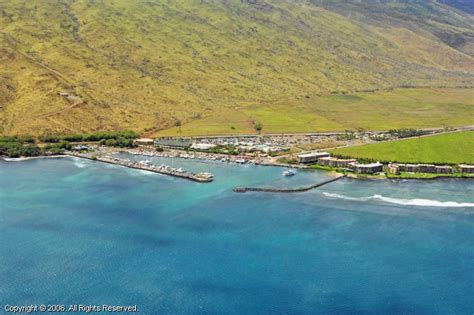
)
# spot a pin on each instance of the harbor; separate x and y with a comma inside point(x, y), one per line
point(145, 165)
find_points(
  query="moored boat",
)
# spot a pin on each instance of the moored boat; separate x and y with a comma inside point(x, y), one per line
point(288, 173)
point(205, 176)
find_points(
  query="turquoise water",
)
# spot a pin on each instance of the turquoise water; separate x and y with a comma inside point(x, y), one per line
point(82, 232)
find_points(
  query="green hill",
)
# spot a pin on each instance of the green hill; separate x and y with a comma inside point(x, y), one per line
point(147, 65)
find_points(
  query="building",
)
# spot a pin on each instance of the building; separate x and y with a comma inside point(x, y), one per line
point(423, 168)
point(410, 168)
point(366, 168)
point(178, 144)
point(335, 162)
point(426, 168)
point(465, 168)
point(393, 169)
point(203, 146)
point(311, 157)
point(444, 169)
point(80, 147)
point(144, 141)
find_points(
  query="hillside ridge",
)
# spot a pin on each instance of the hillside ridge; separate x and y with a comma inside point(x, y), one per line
point(151, 65)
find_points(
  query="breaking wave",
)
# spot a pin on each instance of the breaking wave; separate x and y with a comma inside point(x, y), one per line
point(79, 162)
point(406, 202)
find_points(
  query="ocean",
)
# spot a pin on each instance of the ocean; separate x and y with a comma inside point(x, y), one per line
point(76, 232)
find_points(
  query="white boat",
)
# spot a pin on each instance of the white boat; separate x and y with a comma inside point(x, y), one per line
point(145, 162)
point(180, 170)
point(240, 161)
point(288, 173)
point(205, 175)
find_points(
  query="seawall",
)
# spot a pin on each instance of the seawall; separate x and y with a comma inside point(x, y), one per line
point(134, 165)
point(287, 190)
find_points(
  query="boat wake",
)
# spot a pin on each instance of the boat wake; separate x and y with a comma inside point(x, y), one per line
point(406, 202)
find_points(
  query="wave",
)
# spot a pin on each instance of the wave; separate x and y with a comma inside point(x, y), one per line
point(20, 159)
point(138, 172)
point(406, 202)
point(79, 162)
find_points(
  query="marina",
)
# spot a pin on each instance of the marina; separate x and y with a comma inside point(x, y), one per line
point(145, 165)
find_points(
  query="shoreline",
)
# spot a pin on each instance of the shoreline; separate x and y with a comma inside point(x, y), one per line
point(27, 158)
point(231, 160)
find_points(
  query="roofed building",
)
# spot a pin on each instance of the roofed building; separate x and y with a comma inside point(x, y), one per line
point(366, 168)
point(465, 168)
point(312, 157)
point(144, 141)
point(444, 169)
point(393, 169)
point(335, 162)
point(426, 168)
point(178, 144)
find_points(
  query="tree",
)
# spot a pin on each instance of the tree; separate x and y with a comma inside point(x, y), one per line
point(258, 127)
point(178, 124)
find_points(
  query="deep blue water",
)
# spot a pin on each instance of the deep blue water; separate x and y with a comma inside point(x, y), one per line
point(81, 232)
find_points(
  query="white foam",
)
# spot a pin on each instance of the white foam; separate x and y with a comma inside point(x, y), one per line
point(137, 172)
point(79, 162)
point(20, 159)
point(406, 202)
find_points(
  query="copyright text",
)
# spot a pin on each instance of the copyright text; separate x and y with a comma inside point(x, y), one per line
point(72, 308)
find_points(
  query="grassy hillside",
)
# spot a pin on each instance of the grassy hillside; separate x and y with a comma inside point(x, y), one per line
point(437, 19)
point(400, 108)
point(145, 65)
point(447, 148)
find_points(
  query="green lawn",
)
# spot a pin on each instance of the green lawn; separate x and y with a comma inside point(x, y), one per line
point(450, 148)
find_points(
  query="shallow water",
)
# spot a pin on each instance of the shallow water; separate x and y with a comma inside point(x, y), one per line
point(82, 232)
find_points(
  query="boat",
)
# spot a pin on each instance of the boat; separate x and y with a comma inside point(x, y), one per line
point(145, 162)
point(288, 173)
point(240, 161)
point(204, 176)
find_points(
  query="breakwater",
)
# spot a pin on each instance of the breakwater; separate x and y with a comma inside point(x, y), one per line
point(164, 170)
point(287, 190)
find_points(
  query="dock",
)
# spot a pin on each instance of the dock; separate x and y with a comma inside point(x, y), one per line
point(288, 190)
point(199, 177)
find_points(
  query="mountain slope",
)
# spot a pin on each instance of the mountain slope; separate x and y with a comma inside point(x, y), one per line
point(145, 65)
point(432, 19)
point(463, 5)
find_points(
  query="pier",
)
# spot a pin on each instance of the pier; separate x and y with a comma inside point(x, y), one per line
point(199, 177)
point(287, 190)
